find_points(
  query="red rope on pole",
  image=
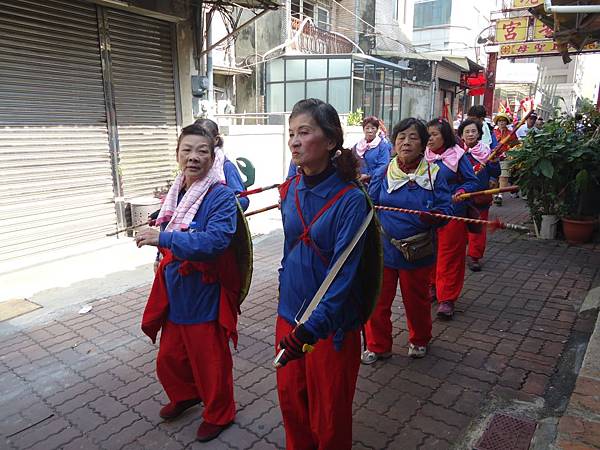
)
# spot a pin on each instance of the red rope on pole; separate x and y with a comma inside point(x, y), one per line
point(493, 224)
point(257, 190)
point(267, 208)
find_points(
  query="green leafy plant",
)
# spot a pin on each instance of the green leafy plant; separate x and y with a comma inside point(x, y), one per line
point(558, 168)
point(355, 118)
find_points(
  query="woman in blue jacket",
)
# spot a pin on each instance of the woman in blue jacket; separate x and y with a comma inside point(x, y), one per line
point(457, 170)
point(373, 150)
point(487, 172)
point(322, 209)
point(410, 182)
point(189, 300)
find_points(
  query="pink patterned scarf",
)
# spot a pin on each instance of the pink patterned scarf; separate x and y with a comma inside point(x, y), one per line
point(450, 157)
point(362, 146)
point(180, 216)
point(481, 152)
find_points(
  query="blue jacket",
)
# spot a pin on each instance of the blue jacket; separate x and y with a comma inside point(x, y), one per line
point(234, 181)
point(464, 178)
point(375, 158)
point(402, 225)
point(190, 300)
point(303, 270)
point(491, 170)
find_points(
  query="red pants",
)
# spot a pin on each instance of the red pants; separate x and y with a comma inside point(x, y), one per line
point(450, 261)
point(414, 285)
point(316, 393)
point(195, 361)
point(477, 240)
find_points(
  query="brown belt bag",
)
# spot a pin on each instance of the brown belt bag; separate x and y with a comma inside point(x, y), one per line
point(415, 247)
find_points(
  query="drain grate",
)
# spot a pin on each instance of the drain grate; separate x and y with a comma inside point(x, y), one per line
point(507, 432)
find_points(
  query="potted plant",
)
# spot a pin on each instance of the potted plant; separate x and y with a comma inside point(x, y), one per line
point(559, 171)
point(582, 187)
point(535, 164)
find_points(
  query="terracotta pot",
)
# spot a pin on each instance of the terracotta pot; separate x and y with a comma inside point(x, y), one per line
point(578, 231)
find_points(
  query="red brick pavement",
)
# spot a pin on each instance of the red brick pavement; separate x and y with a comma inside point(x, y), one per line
point(88, 381)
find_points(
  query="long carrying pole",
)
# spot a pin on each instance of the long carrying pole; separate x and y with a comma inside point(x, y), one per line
point(494, 191)
point(504, 140)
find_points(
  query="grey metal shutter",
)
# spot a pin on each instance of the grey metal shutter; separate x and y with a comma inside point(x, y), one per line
point(144, 90)
point(56, 185)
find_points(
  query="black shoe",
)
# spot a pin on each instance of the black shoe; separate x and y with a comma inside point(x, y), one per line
point(473, 264)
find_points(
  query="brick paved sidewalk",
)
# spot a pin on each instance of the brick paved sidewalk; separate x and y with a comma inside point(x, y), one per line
point(88, 381)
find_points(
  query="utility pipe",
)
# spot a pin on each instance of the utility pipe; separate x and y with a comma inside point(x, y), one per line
point(570, 9)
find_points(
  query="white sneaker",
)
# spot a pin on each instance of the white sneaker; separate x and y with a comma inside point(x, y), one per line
point(415, 351)
point(368, 357)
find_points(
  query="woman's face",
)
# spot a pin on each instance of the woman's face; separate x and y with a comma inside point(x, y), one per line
point(370, 132)
point(502, 124)
point(309, 146)
point(408, 145)
point(436, 140)
point(194, 157)
point(470, 135)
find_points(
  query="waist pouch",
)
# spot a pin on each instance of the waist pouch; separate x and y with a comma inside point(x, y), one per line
point(415, 247)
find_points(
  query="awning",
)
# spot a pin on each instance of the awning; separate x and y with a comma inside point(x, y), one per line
point(577, 29)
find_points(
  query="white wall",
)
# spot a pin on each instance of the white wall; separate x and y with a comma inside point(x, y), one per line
point(266, 147)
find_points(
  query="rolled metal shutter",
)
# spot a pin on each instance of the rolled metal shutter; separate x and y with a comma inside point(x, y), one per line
point(54, 156)
point(144, 90)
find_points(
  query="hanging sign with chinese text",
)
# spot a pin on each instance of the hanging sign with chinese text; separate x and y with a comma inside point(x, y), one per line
point(522, 4)
point(541, 30)
point(512, 30)
point(539, 48)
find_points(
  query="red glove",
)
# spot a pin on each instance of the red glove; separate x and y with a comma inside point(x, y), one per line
point(458, 192)
point(294, 344)
point(427, 217)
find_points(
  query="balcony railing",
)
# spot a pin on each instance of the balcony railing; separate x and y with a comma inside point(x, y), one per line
point(317, 41)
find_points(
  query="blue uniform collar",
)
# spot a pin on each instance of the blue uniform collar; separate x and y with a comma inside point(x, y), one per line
point(324, 188)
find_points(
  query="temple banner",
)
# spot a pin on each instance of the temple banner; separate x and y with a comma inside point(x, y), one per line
point(541, 30)
point(522, 4)
point(547, 47)
point(512, 30)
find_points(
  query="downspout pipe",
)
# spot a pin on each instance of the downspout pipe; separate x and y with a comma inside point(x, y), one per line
point(570, 9)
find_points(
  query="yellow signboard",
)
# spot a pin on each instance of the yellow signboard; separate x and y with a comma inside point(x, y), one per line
point(522, 4)
point(538, 48)
point(512, 30)
point(541, 31)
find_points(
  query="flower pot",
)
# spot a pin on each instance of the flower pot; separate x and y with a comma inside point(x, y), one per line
point(578, 231)
point(548, 227)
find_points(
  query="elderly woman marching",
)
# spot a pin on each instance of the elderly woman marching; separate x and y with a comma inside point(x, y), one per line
point(408, 181)
point(456, 169)
point(195, 295)
point(373, 150)
point(323, 211)
point(488, 172)
point(501, 120)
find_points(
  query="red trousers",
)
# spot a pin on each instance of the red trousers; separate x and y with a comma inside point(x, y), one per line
point(477, 240)
point(450, 261)
point(195, 361)
point(316, 393)
point(414, 285)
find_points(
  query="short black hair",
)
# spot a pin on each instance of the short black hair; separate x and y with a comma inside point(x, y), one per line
point(405, 124)
point(465, 123)
point(477, 111)
point(446, 129)
point(197, 130)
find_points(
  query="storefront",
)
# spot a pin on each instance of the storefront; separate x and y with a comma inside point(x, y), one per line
point(348, 82)
point(88, 119)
